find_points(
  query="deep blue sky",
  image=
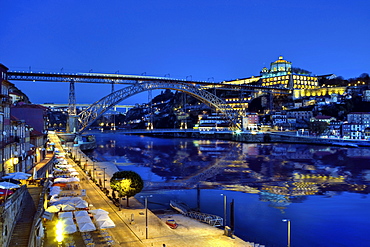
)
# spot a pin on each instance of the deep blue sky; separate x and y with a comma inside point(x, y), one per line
point(210, 38)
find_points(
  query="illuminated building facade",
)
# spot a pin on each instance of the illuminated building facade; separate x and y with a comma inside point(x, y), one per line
point(208, 124)
point(250, 121)
point(239, 104)
point(281, 74)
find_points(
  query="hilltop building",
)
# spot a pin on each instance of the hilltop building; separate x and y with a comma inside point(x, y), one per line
point(281, 74)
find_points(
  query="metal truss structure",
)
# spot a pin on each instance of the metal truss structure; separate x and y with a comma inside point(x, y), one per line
point(88, 78)
point(132, 79)
point(97, 109)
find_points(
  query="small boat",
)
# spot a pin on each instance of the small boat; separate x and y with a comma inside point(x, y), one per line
point(172, 224)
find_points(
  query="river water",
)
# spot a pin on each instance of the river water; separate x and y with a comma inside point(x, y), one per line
point(322, 190)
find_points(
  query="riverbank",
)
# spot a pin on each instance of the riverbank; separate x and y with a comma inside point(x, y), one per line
point(250, 137)
point(292, 137)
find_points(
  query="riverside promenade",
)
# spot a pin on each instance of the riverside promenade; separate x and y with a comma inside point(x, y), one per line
point(130, 221)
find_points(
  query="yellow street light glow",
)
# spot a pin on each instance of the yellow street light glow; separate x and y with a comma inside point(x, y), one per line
point(59, 231)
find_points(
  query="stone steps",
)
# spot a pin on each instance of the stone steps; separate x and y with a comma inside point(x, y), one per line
point(22, 229)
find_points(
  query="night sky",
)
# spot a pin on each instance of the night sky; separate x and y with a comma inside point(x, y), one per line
point(207, 40)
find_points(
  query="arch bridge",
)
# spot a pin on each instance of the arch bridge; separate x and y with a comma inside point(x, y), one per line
point(138, 84)
point(93, 112)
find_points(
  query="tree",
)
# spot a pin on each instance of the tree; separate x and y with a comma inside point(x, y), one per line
point(126, 183)
point(300, 71)
point(318, 127)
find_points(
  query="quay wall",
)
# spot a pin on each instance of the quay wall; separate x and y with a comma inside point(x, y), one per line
point(260, 137)
point(275, 137)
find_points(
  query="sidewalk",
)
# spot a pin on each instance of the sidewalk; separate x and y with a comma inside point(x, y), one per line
point(127, 233)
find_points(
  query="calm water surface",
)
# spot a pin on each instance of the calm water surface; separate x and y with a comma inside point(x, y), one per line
point(324, 191)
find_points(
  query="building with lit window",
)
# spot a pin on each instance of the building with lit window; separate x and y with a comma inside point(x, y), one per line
point(208, 124)
point(239, 104)
point(250, 121)
point(357, 123)
point(281, 74)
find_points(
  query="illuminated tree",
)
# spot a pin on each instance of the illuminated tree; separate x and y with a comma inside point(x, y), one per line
point(126, 183)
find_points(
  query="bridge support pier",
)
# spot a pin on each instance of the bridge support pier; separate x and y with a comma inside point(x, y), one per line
point(72, 124)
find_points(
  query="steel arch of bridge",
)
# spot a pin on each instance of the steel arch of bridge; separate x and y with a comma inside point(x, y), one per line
point(97, 109)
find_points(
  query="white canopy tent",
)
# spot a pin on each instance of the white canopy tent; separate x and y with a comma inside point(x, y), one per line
point(65, 215)
point(69, 229)
point(80, 213)
point(68, 221)
point(83, 219)
point(87, 227)
point(98, 211)
point(67, 207)
point(100, 217)
point(105, 224)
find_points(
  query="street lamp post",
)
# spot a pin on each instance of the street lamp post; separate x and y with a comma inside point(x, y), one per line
point(225, 199)
point(146, 215)
point(104, 168)
point(93, 173)
point(288, 220)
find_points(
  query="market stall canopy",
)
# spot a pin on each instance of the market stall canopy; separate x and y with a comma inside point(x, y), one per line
point(67, 200)
point(55, 190)
point(67, 207)
point(69, 229)
point(88, 227)
point(105, 224)
point(76, 199)
point(53, 209)
point(73, 179)
point(83, 204)
point(64, 166)
point(98, 211)
point(68, 221)
point(18, 176)
point(19, 173)
point(60, 180)
point(65, 215)
point(80, 213)
point(60, 184)
point(83, 219)
point(7, 185)
point(101, 217)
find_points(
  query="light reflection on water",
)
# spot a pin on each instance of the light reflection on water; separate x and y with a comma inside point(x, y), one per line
point(322, 190)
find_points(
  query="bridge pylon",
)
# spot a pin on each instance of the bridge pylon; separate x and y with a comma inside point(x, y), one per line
point(72, 124)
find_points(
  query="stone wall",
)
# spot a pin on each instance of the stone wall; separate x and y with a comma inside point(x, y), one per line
point(10, 211)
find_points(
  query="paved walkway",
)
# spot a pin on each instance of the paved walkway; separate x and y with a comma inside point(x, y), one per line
point(127, 233)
